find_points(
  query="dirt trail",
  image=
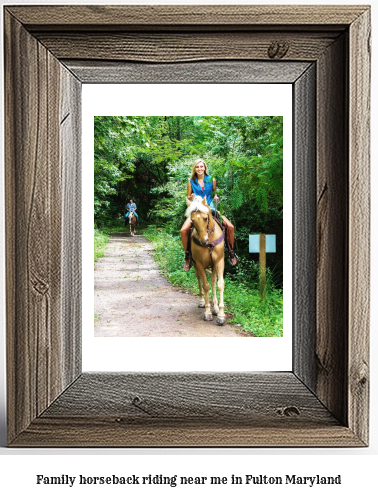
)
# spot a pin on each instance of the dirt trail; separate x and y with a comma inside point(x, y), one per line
point(132, 299)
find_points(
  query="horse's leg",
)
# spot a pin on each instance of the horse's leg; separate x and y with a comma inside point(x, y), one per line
point(201, 302)
point(221, 320)
point(207, 315)
point(214, 288)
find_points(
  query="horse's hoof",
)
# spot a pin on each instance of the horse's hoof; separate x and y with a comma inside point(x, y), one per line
point(221, 321)
point(208, 317)
point(201, 304)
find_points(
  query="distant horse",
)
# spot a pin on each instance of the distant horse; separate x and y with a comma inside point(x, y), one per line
point(132, 223)
point(207, 248)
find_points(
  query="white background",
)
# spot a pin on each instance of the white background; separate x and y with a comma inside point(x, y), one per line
point(18, 468)
point(185, 354)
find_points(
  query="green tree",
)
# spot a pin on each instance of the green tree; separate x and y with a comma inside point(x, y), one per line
point(149, 158)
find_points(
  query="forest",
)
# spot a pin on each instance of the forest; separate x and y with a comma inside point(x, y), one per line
point(150, 158)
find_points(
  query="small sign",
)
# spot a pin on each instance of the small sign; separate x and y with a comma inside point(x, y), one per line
point(254, 243)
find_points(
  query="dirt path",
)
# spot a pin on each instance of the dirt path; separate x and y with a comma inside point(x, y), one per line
point(132, 299)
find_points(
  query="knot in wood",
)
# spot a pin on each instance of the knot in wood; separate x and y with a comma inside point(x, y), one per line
point(288, 411)
point(361, 375)
point(41, 287)
point(278, 50)
point(136, 400)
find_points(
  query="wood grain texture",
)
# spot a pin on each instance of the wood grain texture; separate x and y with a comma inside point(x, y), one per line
point(33, 217)
point(332, 230)
point(359, 227)
point(205, 72)
point(324, 402)
point(304, 227)
point(195, 409)
point(71, 286)
point(184, 16)
point(179, 47)
point(33, 228)
point(192, 396)
point(100, 432)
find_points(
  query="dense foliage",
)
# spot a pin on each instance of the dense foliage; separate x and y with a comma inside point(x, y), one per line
point(150, 159)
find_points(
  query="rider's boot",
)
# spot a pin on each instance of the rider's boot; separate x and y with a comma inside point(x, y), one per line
point(234, 259)
point(186, 265)
point(185, 240)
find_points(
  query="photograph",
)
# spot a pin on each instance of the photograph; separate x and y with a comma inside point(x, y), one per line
point(188, 226)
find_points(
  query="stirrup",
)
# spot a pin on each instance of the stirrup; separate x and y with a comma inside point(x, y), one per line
point(234, 259)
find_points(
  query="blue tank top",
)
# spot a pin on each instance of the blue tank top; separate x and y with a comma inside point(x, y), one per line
point(208, 191)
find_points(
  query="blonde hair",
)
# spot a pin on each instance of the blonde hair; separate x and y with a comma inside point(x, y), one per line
point(194, 174)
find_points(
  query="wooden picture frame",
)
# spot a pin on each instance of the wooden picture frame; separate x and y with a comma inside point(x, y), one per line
point(324, 51)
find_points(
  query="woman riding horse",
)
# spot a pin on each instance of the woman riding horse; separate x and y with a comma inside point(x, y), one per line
point(207, 245)
point(201, 184)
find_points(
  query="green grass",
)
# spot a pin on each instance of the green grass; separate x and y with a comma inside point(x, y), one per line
point(241, 295)
point(100, 240)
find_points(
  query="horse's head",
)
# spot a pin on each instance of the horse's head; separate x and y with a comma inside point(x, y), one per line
point(130, 217)
point(200, 214)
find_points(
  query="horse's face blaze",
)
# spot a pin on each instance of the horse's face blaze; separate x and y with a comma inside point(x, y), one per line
point(200, 221)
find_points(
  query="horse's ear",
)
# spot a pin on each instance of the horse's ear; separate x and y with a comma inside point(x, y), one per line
point(188, 202)
point(204, 202)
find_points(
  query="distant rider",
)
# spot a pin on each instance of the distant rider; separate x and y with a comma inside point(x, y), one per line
point(131, 207)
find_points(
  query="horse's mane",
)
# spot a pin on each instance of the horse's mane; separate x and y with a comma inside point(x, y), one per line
point(197, 205)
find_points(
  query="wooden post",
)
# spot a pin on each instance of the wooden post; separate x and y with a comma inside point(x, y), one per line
point(262, 265)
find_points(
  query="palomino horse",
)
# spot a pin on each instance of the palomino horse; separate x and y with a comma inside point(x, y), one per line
point(132, 223)
point(207, 246)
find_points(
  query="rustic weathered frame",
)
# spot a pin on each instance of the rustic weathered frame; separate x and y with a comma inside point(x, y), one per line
point(49, 52)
